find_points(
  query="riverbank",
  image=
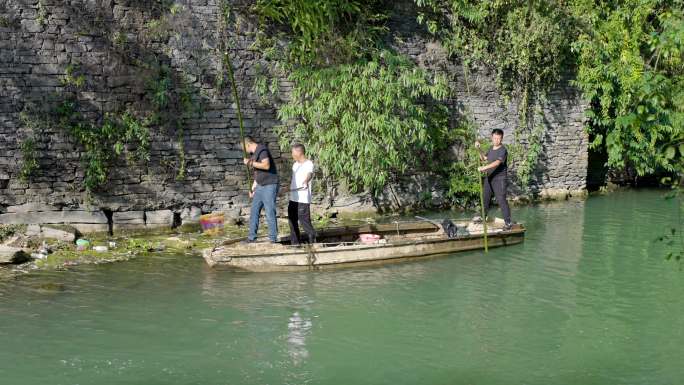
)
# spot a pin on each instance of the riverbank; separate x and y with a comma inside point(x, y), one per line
point(103, 248)
point(57, 254)
point(188, 240)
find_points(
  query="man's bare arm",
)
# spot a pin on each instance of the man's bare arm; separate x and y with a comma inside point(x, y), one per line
point(490, 166)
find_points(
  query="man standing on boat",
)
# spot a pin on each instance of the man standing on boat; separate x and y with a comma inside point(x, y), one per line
point(298, 210)
point(264, 189)
point(496, 181)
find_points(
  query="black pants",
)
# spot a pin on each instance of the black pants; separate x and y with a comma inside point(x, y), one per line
point(300, 212)
point(497, 186)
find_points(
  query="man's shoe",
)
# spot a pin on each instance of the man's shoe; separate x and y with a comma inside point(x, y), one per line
point(247, 241)
point(507, 226)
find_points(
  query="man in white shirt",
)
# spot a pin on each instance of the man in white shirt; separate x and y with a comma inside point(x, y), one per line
point(298, 210)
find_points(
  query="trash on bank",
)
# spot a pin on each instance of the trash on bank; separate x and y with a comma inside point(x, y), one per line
point(82, 244)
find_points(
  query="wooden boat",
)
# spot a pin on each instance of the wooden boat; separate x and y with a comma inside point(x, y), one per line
point(339, 246)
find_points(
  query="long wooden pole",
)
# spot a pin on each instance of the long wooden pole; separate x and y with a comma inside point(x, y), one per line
point(482, 212)
point(479, 174)
point(229, 67)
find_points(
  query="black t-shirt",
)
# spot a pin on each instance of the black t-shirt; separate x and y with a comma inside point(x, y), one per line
point(499, 154)
point(264, 177)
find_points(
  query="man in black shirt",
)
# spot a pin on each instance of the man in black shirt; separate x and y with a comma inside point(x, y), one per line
point(264, 189)
point(496, 180)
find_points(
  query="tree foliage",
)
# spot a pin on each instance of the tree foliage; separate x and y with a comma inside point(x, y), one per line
point(631, 69)
point(525, 42)
point(366, 112)
point(626, 56)
point(368, 120)
point(324, 32)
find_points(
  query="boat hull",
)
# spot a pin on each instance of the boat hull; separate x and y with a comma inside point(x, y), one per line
point(283, 258)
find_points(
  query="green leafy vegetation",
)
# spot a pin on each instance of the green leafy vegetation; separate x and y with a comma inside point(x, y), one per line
point(103, 143)
point(174, 102)
point(461, 175)
point(322, 33)
point(368, 113)
point(119, 39)
point(627, 56)
point(365, 121)
point(525, 43)
point(29, 159)
point(42, 13)
point(674, 239)
point(170, 101)
point(631, 69)
point(6, 231)
point(71, 79)
point(5, 22)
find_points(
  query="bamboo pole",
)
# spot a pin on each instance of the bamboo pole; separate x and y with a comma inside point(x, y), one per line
point(482, 211)
point(229, 67)
point(479, 174)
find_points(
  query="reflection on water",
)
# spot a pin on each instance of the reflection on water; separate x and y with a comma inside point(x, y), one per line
point(297, 330)
point(586, 299)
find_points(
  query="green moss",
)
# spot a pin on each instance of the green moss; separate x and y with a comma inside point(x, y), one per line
point(5, 22)
point(143, 232)
point(63, 258)
point(128, 247)
point(190, 228)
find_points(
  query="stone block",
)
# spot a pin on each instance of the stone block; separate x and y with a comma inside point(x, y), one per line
point(232, 215)
point(44, 217)
point(129, 217)
point(33, 230)
point(128, 220)
point(159, 218)
point(117, 228)
point(86, 228)
point(63, 233)
point(28, 207)
point(191, 215)
point(554, 194)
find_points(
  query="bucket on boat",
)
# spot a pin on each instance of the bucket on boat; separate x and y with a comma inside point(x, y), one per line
point(212, 223)
point(369, 238)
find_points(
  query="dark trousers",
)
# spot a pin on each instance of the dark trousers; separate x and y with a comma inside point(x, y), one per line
point(496, 185)
point(300, 213)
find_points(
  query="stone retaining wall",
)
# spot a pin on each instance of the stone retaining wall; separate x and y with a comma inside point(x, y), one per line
point(43, 42)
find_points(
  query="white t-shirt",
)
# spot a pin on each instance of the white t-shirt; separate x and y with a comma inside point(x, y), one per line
point(299, 173)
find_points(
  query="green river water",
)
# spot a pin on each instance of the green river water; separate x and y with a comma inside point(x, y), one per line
point(587, 299)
